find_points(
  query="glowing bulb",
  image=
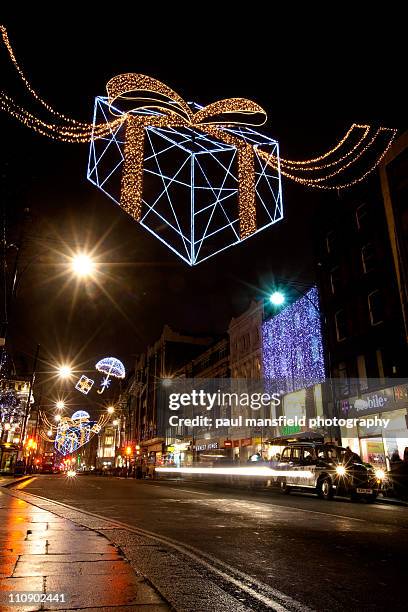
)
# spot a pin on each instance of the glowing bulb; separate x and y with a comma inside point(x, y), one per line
point(49, 433)
point(60, 405)
point(115, 422)
point(110, 409)
point(380, 474)
point(64, 371)
point(341, 470)
point(277, 298)
point(82, 265)
point(57, 417)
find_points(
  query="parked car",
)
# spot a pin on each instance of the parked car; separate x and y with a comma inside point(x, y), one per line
point(328, 470)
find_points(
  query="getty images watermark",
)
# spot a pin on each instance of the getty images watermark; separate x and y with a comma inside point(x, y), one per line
point(198, 408)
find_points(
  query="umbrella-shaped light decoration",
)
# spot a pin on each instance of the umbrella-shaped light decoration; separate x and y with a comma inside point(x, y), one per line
point(111, 367)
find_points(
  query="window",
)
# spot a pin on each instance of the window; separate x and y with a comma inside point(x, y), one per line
point(368, 258)
point(308, 456)
point(286, 455)
point(108, 440)
point(362, 372)
point(335, 280)
point(296, 454)
point(321, 453)
point(375, 307)
point(362, 216)
point(330, 242)
point(343, 382)
point(341, 325)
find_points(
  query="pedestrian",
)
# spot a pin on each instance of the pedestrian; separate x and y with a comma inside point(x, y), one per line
point(395, 457)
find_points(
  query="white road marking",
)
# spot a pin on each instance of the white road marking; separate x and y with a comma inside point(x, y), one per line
point(206, 560)
point(189, 491)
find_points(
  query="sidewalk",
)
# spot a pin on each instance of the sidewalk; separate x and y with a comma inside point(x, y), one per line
point(44, 553)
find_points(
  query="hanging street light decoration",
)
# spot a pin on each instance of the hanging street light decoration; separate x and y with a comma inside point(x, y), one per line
point(84, 384)
point(111, 367)
point(70, 433)
point(213, 181)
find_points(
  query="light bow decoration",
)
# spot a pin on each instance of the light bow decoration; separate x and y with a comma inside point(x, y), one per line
point(200, 179)
point(71, 432)
point(111, 367)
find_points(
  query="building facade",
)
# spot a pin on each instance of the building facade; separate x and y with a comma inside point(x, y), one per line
point(366, 336)
point(162, 360)
point(14, 393)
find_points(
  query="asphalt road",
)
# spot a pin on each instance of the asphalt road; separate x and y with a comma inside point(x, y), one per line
point(333, 555)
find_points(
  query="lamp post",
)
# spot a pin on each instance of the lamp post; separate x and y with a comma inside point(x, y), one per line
point(28, 405)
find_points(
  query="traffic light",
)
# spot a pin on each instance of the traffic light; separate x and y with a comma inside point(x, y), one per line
point(128, 450)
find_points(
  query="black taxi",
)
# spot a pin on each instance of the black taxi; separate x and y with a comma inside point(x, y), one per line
point(327, 470)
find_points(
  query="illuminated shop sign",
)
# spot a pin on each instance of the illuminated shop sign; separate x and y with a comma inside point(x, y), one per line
point(209, 446)
point(384, 400)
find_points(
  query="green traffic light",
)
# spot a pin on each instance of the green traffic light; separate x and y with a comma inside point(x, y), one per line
point(277, 298)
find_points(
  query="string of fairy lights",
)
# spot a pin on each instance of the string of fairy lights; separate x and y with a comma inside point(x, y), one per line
point(143, 94)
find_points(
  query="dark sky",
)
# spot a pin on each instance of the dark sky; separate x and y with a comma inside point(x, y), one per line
point(314, 80)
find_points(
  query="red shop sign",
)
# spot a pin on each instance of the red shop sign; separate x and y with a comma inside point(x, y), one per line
point(246, 442)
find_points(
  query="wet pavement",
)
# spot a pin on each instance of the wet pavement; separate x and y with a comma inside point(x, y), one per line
point(326, 555)
point(44, 553)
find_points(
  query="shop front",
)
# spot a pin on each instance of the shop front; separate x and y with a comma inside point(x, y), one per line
point(178, 454)
point(8, 457)
point(154, 452)
point(378, 444)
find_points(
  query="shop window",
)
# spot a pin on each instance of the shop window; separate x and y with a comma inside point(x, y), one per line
point(335, 280)
point(375, 307)
point(330, 242)
point(362, 216)
point(108, 440)
point(341, 325)
point(368, 258)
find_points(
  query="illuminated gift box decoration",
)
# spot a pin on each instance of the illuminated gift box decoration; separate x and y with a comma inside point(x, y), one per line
point(199, 185)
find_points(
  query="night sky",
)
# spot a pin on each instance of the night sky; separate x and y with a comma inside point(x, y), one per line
point(313, 82)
